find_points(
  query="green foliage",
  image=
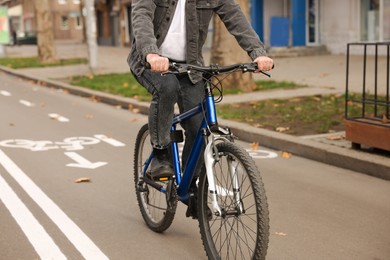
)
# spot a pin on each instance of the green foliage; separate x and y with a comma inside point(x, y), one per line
point(298, 116)
point(122, 84)
point(33, 62)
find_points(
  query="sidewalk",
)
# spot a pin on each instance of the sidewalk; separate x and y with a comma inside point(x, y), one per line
point(323, 74)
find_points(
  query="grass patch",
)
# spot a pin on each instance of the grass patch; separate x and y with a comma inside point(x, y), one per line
point(33, 62)
point(299, 116)
point(122, 84)
point(264, 85)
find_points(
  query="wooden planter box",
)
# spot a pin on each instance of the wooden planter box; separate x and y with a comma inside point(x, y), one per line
point(368, 133)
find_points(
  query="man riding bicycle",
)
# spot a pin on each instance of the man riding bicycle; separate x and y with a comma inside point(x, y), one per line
point(176, 30)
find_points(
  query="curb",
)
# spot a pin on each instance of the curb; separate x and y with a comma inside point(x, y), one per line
point(354, 160)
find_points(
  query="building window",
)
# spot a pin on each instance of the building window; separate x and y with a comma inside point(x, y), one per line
point(64, 23)
point(78, 21)
point(375, 20)
point(62, 2)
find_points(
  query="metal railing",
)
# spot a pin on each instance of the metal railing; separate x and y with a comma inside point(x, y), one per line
point(371, 105)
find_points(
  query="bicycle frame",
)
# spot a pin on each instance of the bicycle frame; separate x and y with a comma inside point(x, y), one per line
point(183, 180)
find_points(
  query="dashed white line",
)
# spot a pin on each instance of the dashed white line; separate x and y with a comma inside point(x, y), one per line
point(58, 117)
point(26, 103)
point(36, 234)
point(5, 93)
point(75, 235)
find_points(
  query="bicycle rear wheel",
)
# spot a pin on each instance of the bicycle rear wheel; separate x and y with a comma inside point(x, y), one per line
point(157, 208)
point(242, 229)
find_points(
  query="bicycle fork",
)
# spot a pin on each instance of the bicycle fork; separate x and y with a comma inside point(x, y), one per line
point(211, 157)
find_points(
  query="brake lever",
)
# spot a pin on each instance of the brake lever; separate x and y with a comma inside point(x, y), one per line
point(265, 73)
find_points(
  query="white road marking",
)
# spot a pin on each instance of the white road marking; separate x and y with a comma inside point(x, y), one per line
point(75, 235)
point(26, 103)
point(262, 154)
point(5, 93)
point(36, 234)
point(109, 140)
point(81, 162)
point(58, 117)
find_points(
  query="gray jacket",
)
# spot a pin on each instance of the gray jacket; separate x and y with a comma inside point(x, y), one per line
point(151, 20)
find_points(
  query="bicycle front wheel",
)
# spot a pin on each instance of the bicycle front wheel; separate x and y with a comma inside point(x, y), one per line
point(157, 208)
point(241, 230)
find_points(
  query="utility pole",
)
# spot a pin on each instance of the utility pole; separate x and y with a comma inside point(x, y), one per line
point(91, 34)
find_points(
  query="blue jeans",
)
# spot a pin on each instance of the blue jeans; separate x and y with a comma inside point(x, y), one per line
point(167, 91)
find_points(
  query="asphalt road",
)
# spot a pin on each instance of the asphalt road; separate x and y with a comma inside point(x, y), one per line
point(49, 139)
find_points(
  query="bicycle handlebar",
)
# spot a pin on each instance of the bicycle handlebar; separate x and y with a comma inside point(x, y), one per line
point(180, 68)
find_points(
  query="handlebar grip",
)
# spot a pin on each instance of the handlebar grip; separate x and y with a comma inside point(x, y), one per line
point(171, 65)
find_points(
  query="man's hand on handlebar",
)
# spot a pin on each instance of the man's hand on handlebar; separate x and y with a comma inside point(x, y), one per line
point(264, 63)
point(157, 63)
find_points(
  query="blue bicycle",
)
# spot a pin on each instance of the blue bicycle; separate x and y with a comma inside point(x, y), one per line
point(229, 199)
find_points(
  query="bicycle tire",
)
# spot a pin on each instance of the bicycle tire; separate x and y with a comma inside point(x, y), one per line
point(240, 235)
point(157, 208)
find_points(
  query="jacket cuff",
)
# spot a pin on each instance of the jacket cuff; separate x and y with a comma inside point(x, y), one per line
point(257, 53)
point(149, 49)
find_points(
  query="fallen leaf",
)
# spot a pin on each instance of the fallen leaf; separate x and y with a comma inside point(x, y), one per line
point(94, 99)
point(254, 146)
point(385, 120)
point(118, 107)
point(135, 110)
point(282, 129)
point(125, 84)
point(134, 120)
point(84, 179)
point(335, 137)
point(88, 116)
point(280, 234)
point(286, 155)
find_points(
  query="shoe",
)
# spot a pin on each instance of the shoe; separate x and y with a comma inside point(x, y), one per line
point(161, 165)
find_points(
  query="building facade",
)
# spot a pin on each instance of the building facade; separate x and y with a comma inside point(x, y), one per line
point(66, 14)
point(331, 23)
point(282, 23)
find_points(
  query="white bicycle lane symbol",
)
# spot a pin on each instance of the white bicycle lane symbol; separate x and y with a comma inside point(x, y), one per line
point(69, 144)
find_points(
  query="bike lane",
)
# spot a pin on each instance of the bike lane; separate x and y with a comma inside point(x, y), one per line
point(95, 143)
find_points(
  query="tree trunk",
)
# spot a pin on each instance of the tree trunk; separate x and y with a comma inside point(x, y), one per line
point(46, 49)
point(82, 6)
point(226, 51)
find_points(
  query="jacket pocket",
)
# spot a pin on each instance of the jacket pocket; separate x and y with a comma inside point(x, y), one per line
point(206, 4)
point(161, 3)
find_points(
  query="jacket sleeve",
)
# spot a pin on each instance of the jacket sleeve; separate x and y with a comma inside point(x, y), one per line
point(238, 25)
point(142, 21)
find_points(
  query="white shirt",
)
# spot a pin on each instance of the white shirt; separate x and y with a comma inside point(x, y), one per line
point(175, 44)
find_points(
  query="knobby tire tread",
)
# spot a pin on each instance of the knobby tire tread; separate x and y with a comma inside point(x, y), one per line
point(260, 198)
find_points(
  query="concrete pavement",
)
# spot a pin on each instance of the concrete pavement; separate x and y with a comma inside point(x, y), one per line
point(323, 74)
